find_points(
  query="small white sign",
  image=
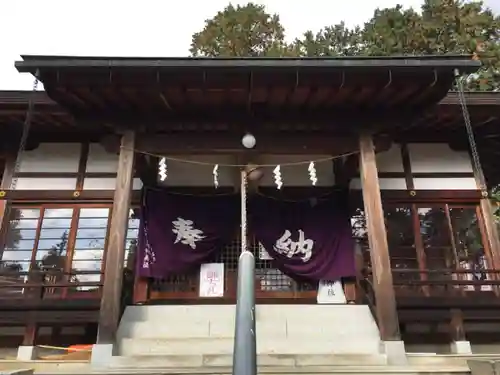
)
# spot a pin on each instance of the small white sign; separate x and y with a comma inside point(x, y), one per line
point(212, 280)
point(330, 292)
point(263, 254)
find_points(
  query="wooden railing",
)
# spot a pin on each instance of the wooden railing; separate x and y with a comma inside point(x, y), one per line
point(49, 284)
point(449, 282)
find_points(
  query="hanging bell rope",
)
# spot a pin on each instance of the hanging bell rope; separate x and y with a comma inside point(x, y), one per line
point(25, 133)
point(470, 134)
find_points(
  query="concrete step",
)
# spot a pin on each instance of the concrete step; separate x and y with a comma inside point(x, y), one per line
point(182, 313)
point(305, 314)
point(320, 346)
point(199, 329)
point(41, 368)
point(341, 329)
point(430, 359)
point(139, 365)
point(289, 370)
point(221, 360)
point(222, 329)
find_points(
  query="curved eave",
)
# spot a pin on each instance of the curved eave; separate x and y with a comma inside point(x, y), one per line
point(178, 87)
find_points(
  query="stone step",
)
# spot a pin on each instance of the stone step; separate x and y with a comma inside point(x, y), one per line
point(320, 346)
point(221, 360)
point(215, 328)
point(289, 370)
point(44, 368)
point(204, 329)
point(176, 313)
point(336, 315)
point(429, 359)
point(140, 365)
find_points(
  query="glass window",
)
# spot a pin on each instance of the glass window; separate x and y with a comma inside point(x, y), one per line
point(90, 242)
point(20, 239)
point(435, 233)
point(43, 238)
point(401, 242)
point(53, 238)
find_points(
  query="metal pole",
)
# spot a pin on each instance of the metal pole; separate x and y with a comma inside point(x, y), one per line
point(245, 344)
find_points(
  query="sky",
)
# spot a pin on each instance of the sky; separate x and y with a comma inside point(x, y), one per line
point(147, 28)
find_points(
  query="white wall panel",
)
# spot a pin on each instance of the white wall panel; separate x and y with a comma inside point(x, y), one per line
point(465, 183)
point(438, 157)
point(95, 183)
point(385, 184)
point(390, 160)
point(99, 160)
point(52, 157)
point(29, 183)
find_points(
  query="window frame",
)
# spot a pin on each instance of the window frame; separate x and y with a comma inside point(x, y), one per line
point(72, 233)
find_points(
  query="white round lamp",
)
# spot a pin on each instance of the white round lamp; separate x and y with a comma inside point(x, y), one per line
point(248, 141)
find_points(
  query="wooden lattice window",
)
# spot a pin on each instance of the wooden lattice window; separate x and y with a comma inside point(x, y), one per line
point(57, 243)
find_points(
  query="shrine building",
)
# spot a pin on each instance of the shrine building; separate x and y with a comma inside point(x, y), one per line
point(362, 184)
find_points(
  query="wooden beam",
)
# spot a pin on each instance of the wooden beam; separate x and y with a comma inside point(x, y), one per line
point(111, 292)
point(379, 251)
point(161, 144)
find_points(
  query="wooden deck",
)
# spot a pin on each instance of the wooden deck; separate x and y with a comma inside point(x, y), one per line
point(50, 300)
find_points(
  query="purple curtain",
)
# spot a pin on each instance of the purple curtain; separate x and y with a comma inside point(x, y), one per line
point(178, 233)
point(308, 241)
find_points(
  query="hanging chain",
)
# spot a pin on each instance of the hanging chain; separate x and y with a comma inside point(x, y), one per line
point(25, 134)
point(470, 133)
point(243, 192)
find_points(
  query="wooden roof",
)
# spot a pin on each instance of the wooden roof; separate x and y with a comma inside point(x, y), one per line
point(443, 123)
point(154, 91)
point(47, 113)
point(49, 116)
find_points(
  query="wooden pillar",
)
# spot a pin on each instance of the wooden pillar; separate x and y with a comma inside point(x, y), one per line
point(491, 232)
point(5, 184)
point(111, 291)
point(379, 251)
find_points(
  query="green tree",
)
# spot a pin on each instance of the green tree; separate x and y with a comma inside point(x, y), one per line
point(12, 241)
point(14, 233)
point(441, 27)
point(456, 26)
point(336, 40)
point(392, 31)
point(246, 30)
point(55, 258)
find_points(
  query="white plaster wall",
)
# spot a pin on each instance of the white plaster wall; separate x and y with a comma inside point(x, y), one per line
point(108, 183)
point(99, 160)
point(29, 183)
point(390, 160)
point(65, 157)
point(51, 157)
point(438, 157)
point(425, 158)
point(385, 184)
point(454, 183)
